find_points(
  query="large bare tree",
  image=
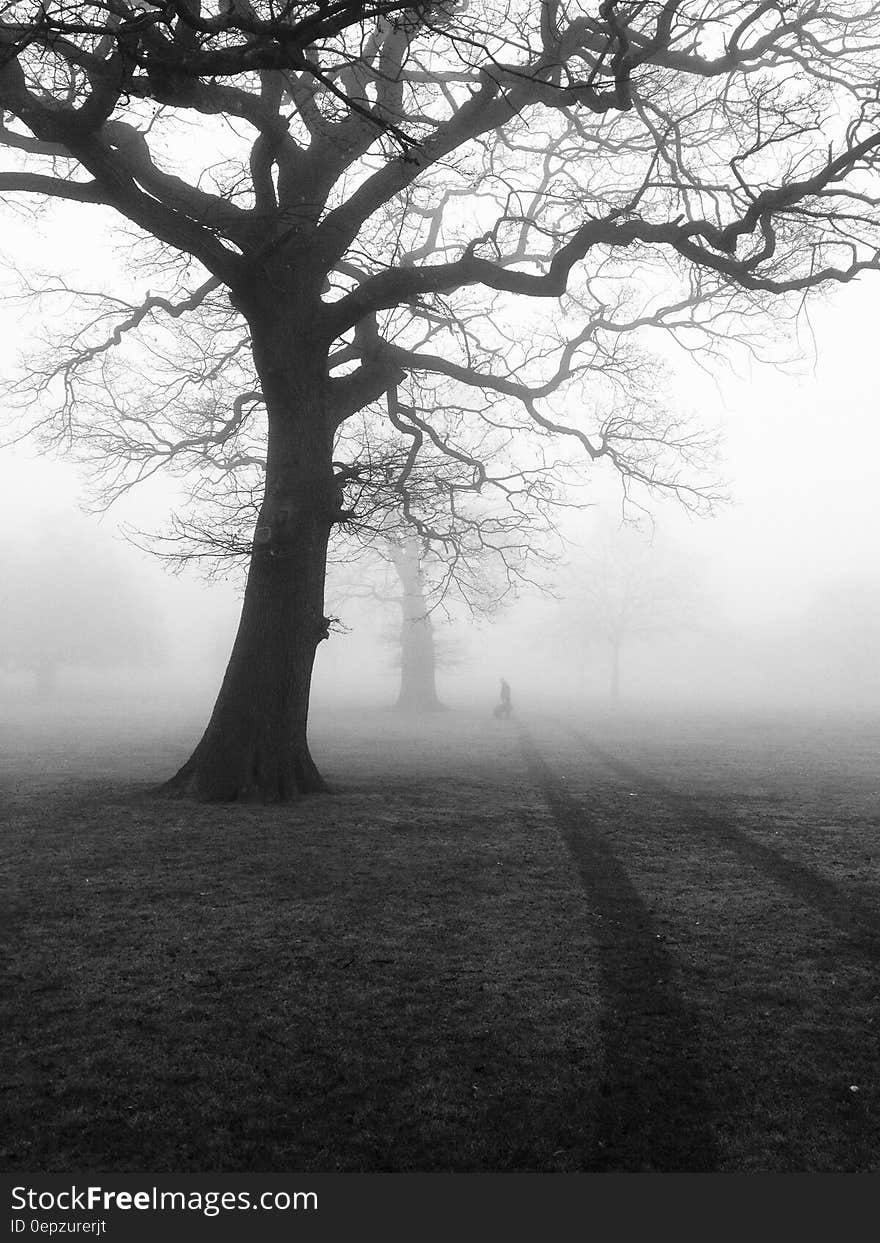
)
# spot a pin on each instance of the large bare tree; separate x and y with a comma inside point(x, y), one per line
point(500, 196)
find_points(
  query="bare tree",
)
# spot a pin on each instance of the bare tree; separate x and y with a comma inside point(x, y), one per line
point(627, 588)
point(430, 581)
point(502, 197)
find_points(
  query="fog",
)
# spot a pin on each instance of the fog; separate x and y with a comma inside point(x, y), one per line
point(776, 598)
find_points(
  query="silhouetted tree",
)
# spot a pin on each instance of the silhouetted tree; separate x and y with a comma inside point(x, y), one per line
point(391, 198)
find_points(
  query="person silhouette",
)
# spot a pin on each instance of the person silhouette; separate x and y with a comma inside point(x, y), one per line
point(505, 706)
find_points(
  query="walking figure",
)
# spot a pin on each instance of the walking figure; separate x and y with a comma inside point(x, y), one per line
point(504, 708)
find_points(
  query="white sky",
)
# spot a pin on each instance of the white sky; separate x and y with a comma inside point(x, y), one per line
point(800, 453)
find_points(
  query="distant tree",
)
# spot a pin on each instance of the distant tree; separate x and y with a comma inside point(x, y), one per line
point(386, 196)
point(422, 585)
point(447, 549)
point(625, 588)
point(66, 602)
point(842, 628)
point(418, 653)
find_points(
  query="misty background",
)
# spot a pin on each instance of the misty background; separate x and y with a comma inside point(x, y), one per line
point(772, 604)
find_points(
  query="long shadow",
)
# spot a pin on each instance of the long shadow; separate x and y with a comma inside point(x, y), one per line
point(835, 903)
point(653, 1112)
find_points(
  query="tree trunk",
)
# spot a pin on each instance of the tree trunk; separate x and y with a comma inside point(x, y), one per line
point(255, 745)
point(418, 657)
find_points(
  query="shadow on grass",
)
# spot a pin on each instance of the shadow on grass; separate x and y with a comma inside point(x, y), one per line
point(842, 908)
point(653, 1110)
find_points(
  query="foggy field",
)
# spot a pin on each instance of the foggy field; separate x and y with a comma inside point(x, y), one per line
point(439, 592)
point(559, 943)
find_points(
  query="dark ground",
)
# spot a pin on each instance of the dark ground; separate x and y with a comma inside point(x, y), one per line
point(549, 944)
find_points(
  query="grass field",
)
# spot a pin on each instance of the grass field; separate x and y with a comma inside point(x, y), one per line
point(550, 944)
